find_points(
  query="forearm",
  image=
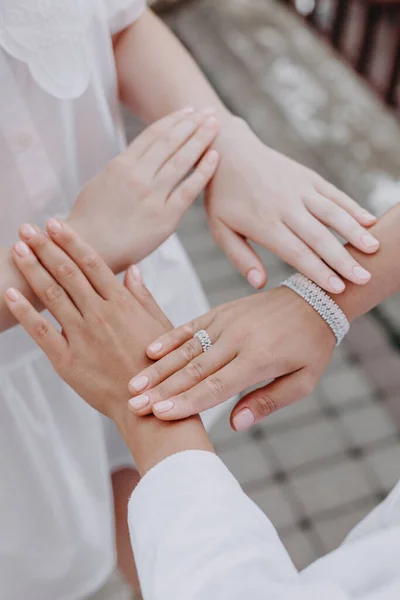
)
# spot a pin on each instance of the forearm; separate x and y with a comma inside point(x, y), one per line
point(383, 266)
point(157, 75)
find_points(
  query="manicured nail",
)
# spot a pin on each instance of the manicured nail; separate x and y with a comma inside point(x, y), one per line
point(336, 284)
point(26, 231)
point(255, 278)
point(22, 249)
point(210, 123)
point(369, 217)
point(155, 348)
point(212, 156)
point(12, 294)
point(361, 273)
point(369, 241)
point(139, 402)
point(136, 274)
point(53, 225)
point(243, 420)
point(137, 384)
point(163, 407)
point(209, 110)
point(188, 110)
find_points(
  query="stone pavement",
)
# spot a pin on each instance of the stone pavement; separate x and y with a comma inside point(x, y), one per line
point(318, 467)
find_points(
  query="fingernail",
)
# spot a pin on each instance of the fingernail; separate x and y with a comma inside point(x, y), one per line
point(361, 273)
point(21, 249)
point(26, 231)
point(209, 110)
point(210, 123)
point(136, 274)
point(12, 294)
point(155, 348)
point(139, 383)
point(369, 217)
point(336, 284)
point(188, 110)
point(212, 156)
point(139, 402)
point(255, 278)
point(243, 420)
point(53, 225)
point(369, 241)
point(163, 407)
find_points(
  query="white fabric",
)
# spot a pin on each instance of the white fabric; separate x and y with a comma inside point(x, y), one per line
point(197, 536)
point(59, 125)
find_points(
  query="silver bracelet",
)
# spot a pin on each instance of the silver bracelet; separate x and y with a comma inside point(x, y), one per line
point(321, 302)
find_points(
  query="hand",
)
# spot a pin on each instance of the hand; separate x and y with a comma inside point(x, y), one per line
point(269, 335)
point(105, 328)
point(137, 201)
point(264, 197)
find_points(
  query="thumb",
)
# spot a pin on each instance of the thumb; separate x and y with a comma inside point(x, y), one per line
point(240, 253)
point(134, 284)
point(266, 400)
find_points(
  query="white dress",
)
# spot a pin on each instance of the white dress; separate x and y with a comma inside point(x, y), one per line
point(59, 125)
point(207, 540)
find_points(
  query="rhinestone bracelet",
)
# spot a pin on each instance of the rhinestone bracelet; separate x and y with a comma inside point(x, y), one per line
point(321, 302)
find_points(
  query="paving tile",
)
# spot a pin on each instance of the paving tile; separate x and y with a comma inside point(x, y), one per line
point(300, 549)
point(274, 501)
point(385, 463)
point(305, 444)
point(331, 487)
point(289, 415)
point(345, 385)
point(247, 463)
point(366, 336)
point(368, 424)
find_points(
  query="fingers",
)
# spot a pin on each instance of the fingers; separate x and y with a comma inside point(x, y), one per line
point(290, 248)
point(213, 390)
point(264, 401)
point(328, 190)
point(40, 330)
point(187, 154)
point(151, 134)
point(186, 193)
point(190, 375)
point(342, 222)
point(92, 266)
point(173, 339)
point(59, 266)
point(169, 143)
point(134, 283)
point(327, 247)
point(50, 293)
point(240, 253)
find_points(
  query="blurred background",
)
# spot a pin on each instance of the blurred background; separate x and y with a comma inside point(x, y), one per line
point(319, 81)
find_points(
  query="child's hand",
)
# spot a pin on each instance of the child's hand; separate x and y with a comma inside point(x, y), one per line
point(264, 197)
point(137, 201)
point(105, 329)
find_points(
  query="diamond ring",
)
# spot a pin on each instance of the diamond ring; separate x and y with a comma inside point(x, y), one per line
point(204, 339)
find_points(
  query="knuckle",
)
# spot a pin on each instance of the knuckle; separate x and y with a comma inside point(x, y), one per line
point(188, 351)
point(195, 371)
point(39, 241)
point(91, 261)
point(40, 330)
point(66, 270)
point(180, 161)
point(216, 387)
point(53, 292)
point(264, 405)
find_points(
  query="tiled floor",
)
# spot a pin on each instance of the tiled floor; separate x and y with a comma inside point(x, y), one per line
point(317, 467)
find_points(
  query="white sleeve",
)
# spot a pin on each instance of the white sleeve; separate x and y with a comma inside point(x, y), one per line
point(197, 536)
point(122, 13)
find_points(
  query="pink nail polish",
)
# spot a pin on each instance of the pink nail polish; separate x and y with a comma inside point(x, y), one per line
point(188, 110)
point(336, 284)
point(255, 278)
point(139, 402)
point(26, 231)
point(136, 274)
point(361, 273)
point(243, 420)
point(12, 294)
point(369, 241)
point(155, 348)
point(22, 249)
point(163, 407)
point(53, 226)
point(137, 384)
point(369, 217)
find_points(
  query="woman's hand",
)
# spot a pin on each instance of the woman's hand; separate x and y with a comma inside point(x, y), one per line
point(264, 197)
point(270, 335)
point(137, 201)
point(105, 329)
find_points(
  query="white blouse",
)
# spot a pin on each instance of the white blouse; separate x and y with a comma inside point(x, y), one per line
point(197, 536)
point(59, 125)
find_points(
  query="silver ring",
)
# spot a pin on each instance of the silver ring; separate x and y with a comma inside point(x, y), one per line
point(204, 339)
